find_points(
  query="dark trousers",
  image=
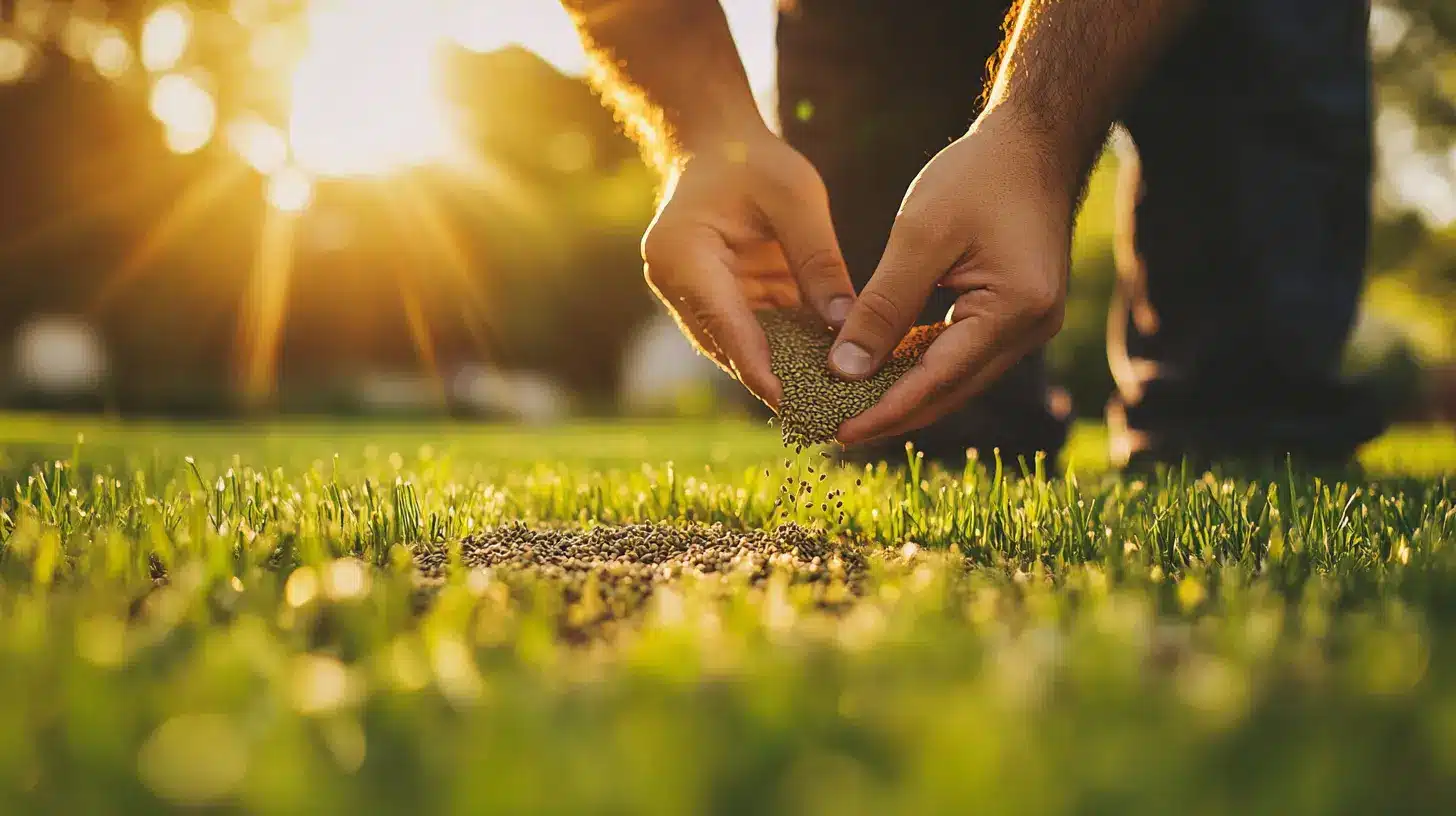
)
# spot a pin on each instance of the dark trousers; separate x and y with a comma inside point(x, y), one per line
point(1248, 207)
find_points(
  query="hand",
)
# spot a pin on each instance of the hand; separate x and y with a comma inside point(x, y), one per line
point(990, 218)
point(745, 226)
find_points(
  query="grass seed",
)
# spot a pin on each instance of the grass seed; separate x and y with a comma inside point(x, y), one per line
point(815, 401)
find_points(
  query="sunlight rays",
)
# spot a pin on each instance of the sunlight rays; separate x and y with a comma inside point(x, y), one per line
point(420, 211)
point(420, 333)
point(261, 328)
point(195, 204)
point(352, 98)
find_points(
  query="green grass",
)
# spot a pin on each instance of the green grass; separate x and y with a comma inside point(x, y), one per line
point(1063, 643)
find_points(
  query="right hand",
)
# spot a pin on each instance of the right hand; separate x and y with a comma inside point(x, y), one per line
point(990, 219)
point(744, 225)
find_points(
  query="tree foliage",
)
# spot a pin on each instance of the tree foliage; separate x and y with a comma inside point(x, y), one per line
point(1416, 63)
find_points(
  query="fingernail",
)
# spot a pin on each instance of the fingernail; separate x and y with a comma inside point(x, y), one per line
point(838, 309)
point(850, 360)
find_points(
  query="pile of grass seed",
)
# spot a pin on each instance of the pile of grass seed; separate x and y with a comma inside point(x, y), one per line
point(815, 401)
point(622, 565)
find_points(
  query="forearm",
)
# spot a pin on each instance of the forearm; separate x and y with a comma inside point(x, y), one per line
point(1070, 65)
point(671, 72)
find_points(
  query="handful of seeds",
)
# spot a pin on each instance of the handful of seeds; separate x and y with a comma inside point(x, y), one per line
point(816, 401)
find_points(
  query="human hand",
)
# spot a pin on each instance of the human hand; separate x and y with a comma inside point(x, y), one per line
point(989, 217)
point(745, 226)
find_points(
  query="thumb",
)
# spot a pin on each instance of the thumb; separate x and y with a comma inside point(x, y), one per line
point(895, 295)
point(805, 231)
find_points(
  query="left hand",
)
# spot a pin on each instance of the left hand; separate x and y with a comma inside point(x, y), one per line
point(990, 218)
point(741, 231)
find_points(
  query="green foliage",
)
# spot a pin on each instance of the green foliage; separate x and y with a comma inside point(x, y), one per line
point(1077, 356)
point(245, 628)
point(1417, 69)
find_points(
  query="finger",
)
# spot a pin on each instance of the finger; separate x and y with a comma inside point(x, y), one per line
point(771, 290)
point(936, 409)
point(805, 230)
point(782, 295)
point(763, 272)
point(950, 360)
point(706, 299)
point(915, 258)
point(966, 358)
point(695, 333)
point(755, 292)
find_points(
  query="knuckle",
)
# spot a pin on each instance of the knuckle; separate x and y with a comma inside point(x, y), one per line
point(951, 374)
point(880, 315)
point(1041, 301)
point(922, 226)
point(796, 177)
point(822, 266)
point(1052, 323)
point(654, 245)
point(790, 187)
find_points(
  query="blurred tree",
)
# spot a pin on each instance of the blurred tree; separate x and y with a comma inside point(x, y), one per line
point(1414, 44)
point(1406, 322)
point(545, 236)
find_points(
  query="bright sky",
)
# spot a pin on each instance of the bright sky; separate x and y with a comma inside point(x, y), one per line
point(551, 36)
point(363, 95)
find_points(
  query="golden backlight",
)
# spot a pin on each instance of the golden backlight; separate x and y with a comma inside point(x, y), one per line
point(366, 94)
point(165, 36)
point(296, 93)
point(359, 79)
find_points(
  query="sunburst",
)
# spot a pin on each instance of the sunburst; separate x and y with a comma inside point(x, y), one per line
point(360, 97)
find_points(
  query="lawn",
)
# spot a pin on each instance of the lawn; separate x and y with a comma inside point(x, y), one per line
point(316, 617)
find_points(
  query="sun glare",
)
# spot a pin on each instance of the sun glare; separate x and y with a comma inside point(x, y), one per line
point(366, 94)
point(360, 79)
point(15, 57)
point(165, 36)
point(290, 190)
point(187, 111)
point(540, 25)
point(258, 143)
point(111, 55)
point(328, 89)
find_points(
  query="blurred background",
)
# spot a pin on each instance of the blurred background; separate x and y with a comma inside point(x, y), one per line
point(417, 208)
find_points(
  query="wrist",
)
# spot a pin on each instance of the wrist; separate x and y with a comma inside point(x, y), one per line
point(1056, 153)
point(720, 135)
